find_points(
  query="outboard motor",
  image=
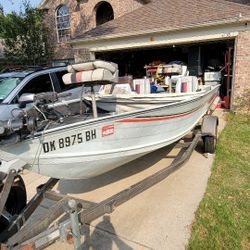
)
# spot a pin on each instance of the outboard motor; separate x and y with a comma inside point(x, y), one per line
point(18, 124)
point(35, 114)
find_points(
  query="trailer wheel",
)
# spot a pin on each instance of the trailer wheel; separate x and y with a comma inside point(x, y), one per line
point(15, 203)
point(209, 144)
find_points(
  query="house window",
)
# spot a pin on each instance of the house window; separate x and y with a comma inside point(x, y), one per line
point(63, 23)
point(104, 13)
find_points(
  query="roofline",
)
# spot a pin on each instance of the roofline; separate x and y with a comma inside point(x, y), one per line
point(42, 4)
point(239, 19)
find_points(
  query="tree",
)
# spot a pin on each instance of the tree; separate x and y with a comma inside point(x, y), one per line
point(25, 37)
point(1, 10)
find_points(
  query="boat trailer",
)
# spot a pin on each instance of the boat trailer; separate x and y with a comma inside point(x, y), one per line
point(65, 219)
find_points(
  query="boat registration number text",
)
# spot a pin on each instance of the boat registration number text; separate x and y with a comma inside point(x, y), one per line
point(69, 141)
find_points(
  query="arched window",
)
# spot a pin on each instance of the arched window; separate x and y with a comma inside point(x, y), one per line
point(63, 23)
point(104, 13)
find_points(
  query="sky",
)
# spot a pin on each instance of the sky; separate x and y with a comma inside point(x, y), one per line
point(14, 5)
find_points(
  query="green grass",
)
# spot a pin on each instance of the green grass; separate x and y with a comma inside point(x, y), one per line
point(223, 218)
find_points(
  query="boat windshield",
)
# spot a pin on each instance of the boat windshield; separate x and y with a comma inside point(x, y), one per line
point(7, 85)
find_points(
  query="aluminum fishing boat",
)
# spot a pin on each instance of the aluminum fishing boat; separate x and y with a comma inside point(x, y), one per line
point(81, 145)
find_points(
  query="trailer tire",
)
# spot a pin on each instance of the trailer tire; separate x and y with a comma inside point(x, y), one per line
point(209, 144)
point(209, 130)
point(17, 198)
point(16, 201)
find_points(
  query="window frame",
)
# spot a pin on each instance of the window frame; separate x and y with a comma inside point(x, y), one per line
point(21, 91)
point(61, 38)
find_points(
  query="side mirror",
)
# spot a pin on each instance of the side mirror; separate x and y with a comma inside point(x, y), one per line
point(25, 99)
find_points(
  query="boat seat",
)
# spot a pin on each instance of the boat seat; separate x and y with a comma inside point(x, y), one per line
point(185, 72)
point(187, 84)
point(91, 73)
point(92, 65)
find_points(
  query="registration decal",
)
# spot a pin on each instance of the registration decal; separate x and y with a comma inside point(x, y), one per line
point(108, 130)
point(69, 141)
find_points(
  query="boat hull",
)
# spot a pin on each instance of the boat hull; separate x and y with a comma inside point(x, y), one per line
point(89, 148)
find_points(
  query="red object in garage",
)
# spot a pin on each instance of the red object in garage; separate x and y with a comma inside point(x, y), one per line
point(226, 100)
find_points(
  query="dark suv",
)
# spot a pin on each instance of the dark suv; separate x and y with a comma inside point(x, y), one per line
point(16, 83)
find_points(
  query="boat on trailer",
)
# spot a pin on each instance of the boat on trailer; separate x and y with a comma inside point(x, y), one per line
point(85, 145)
point(68, 140)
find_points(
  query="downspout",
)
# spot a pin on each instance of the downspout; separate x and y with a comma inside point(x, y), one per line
point(232, 99)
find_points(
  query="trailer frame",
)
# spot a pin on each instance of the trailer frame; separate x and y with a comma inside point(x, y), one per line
point(77, 212)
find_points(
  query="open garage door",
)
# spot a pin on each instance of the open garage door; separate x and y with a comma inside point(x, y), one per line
point(199, 58)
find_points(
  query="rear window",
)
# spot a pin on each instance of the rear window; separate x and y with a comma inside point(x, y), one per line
point(38, 84)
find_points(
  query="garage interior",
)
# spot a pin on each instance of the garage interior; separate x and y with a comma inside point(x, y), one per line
point(199, 58)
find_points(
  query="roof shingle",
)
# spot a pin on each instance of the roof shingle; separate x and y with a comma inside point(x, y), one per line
point(169, 15)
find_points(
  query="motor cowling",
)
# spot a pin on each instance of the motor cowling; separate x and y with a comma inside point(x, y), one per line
point(16, 128)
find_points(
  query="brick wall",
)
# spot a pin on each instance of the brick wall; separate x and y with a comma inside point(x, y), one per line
point(1, 49)
point(242, 65)
point(82, 19)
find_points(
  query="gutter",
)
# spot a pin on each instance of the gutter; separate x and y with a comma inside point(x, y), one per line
point(157, 30)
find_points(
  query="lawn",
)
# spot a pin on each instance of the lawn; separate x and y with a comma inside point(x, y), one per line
point(223, 218)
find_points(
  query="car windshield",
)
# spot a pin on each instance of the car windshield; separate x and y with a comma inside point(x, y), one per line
point(7, 85)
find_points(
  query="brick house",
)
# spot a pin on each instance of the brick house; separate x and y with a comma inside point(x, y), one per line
point(133, 33)
point(82, 15)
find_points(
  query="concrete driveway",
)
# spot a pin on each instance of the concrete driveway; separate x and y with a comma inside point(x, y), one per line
point(159, 218)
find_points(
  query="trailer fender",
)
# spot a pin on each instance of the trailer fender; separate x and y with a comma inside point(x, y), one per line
point(209, 126)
